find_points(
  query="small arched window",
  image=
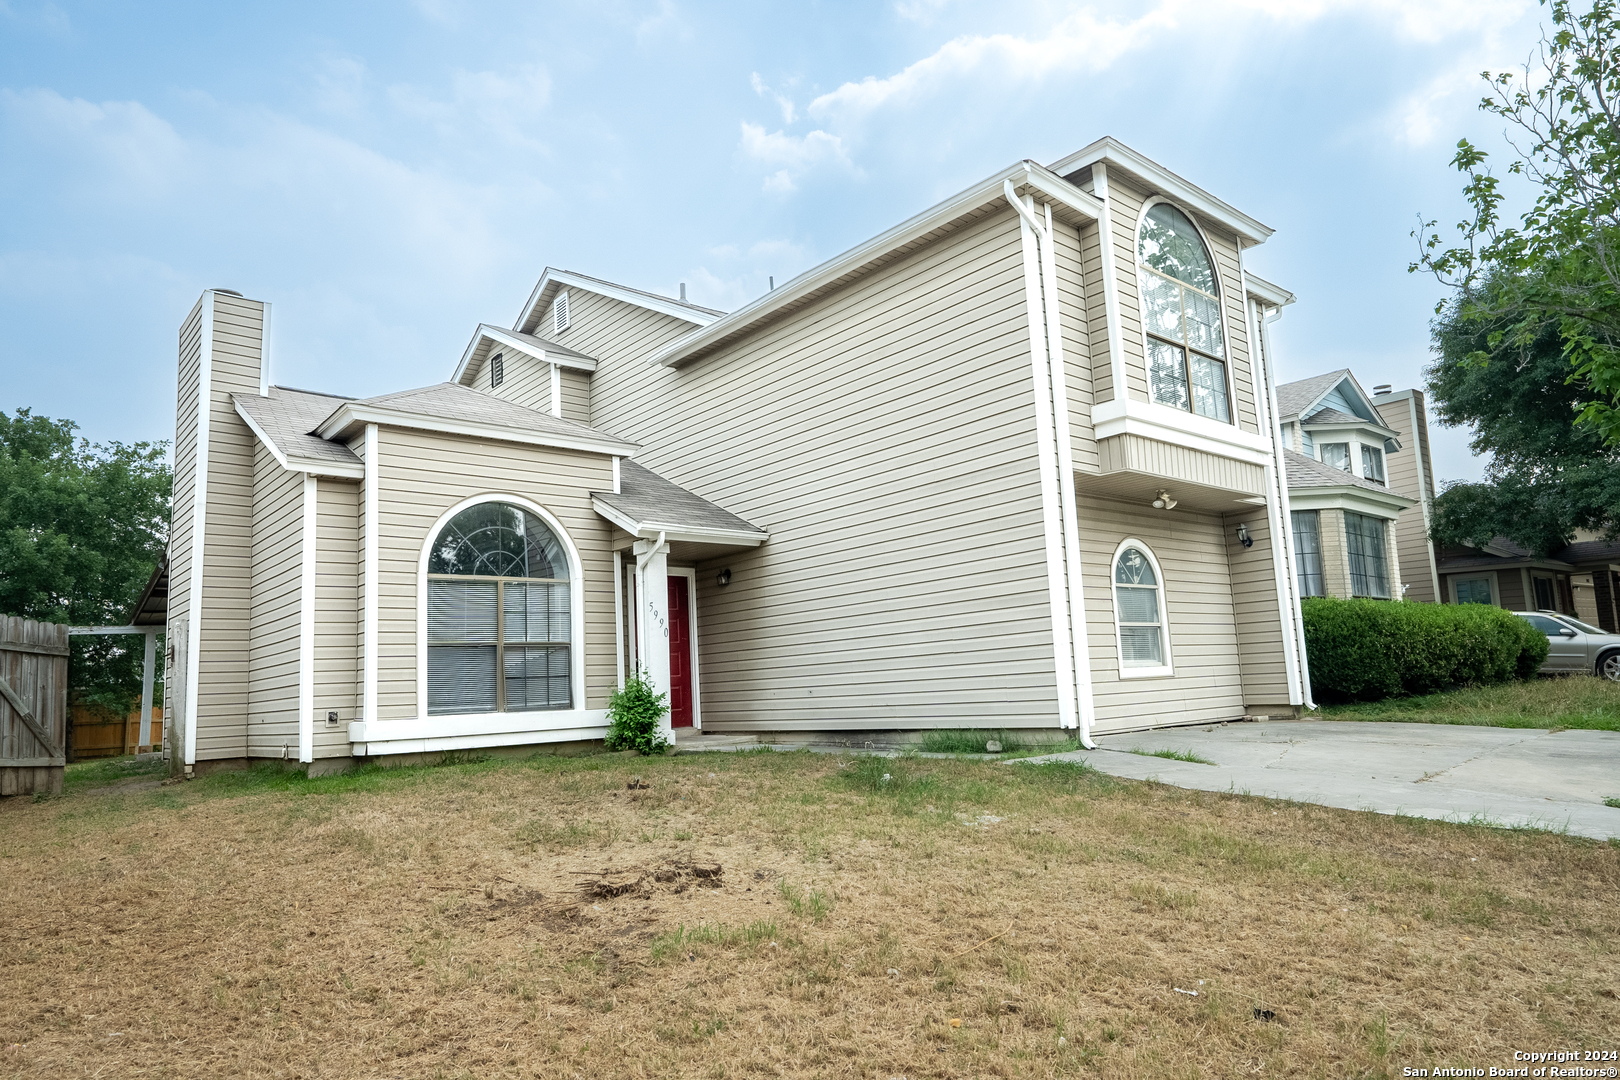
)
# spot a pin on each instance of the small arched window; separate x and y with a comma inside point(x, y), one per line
point(1139, 612)
point(1181, 311)
point(499, 614)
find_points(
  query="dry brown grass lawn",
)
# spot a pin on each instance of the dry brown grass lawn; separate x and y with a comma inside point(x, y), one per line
point(424, 923)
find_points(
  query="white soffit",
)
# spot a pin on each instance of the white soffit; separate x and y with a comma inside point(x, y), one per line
point(1114, 153)
point(1069, 204)
point(1265, 292)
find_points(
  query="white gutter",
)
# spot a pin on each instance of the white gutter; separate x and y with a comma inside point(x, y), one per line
point(1076, 705)
point(1298, 616)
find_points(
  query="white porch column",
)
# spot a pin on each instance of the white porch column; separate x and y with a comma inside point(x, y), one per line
point(148, 664)
point(652, 614)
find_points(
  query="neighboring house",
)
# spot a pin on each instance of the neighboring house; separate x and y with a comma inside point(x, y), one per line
point(1350, 479)
point(1008, 464)
point(1581, 579)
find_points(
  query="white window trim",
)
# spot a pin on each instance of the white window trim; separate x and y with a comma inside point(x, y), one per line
point(690, 574)
point(576, 621)
point(1496, 589)
point(1168, 668)
point(1220, 303)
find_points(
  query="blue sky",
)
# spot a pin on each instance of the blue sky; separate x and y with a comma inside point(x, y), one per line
point(391, 174)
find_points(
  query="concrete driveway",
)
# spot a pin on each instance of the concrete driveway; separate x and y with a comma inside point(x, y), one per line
point(1500, 776)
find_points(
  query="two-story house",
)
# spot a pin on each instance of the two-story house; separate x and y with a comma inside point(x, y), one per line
point(1010, 463)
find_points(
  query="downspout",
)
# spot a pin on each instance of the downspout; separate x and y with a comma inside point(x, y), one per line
point(1276, 480)
point(1288, 518)
point(1052, 422)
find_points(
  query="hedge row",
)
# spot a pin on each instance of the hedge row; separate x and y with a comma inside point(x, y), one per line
point(1363, 650)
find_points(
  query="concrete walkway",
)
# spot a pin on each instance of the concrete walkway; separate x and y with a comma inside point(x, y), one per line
point(1498, 776)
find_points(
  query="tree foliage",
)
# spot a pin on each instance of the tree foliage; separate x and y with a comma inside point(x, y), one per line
point(1509, 381)
point(1558, 269)
point(82, 527)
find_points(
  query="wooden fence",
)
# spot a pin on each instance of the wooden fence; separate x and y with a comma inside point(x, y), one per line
point(95, 732)
point(33, 705)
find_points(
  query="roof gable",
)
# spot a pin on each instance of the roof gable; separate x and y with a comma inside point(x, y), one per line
point(553, 280)
point(1336, 390)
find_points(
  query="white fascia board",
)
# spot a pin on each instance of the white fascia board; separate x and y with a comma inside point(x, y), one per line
point(1114, 152)
point(349, 415)
point(613, 292)
point(1348, 497)
point(1264, 291)
point(357, 471)
point(651, 529)
point(1025, 176)
point(394, 736)
point(511, 340)
point(1352, 425)
point(1164, 424)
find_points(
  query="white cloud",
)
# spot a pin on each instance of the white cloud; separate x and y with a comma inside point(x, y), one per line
point(793, 155)
point(119, 149)
point(922, 11)
point(508, 106)
point(341, 86)
point(789, 112)
point(665, 21)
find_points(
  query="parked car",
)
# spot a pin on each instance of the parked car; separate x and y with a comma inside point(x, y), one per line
point(1575, 646)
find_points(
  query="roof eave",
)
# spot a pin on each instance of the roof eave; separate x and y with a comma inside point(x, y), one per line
point(509, 338)
point(551, 275)
point(1266, 292)
point(1026, 177)
point(341, 424)
point(673, 531)
point(1113, 152)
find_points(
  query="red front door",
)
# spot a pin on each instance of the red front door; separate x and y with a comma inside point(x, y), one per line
point(680, 653)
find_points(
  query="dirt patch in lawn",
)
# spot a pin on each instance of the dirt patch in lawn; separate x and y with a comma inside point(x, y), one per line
point(781, 915)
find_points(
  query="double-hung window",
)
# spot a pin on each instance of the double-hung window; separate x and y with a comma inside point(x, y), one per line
point(1369, 562)
point(1308, 551)
point(1372, 464)
point(1139, 614)
point(1181, 309)
point(1336, 454)
point(499, 614)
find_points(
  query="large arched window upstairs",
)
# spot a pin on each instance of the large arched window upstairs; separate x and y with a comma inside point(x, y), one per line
point(1181, 312)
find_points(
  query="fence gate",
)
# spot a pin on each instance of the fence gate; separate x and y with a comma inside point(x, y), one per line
point(33, 706)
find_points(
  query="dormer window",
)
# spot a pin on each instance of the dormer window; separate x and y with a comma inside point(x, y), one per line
point(1336, 454)
point(1181, 311)
point(1372, 464)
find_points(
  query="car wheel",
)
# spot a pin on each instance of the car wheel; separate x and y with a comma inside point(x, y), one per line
point(1608, 666)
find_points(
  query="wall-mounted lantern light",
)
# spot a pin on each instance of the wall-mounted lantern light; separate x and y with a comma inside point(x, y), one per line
point(1243, 535)
point(724, 577)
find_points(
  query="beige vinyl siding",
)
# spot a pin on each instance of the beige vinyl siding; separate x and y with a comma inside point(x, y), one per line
point(222, 659)
point(337, 613)
point(1095, 311)
point(1077, 343)
point(278, 523)
point(1133, 453)
point(885, 437)
point(422, 475)
point(1408, 475)
point(1127, 200)
point(524, 380)
point(1261, 660)
point(1191, 550)
point(576, 395)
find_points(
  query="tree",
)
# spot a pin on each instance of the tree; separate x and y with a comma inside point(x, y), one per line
point(1508, 378)
point(82, 527)
point(1559, 269)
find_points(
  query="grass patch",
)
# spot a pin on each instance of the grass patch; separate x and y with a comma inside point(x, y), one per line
point(973, 741)
point(105, 772)
point(1175, 755)
point(819, 920)
point(1612, 801)
point(1585, 702)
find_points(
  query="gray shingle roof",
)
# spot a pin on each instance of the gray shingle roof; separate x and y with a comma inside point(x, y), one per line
point(451, 401)
point(1332, 416)
point(288, 419)
point(1304, 472)
point(1583, 551)
point(1294, 396)
point(645, 497)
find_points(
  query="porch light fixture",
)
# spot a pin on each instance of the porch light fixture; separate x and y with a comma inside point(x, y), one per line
point(1164, 502)
point(1243, 535)
point(724, 577)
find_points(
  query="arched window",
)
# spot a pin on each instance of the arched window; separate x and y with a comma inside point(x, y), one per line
point(499, 614)
point(1181, 311)
point(1139, 612)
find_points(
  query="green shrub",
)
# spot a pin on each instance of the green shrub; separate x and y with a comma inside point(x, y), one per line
point(1363, 650)
point(634, 711)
